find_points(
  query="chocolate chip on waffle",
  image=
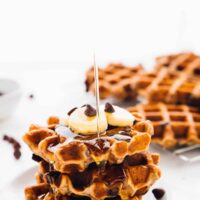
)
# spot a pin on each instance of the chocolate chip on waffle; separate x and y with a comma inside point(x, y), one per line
point(187, 63)
point(173, 124)
point(115, 80)
point(72, 152)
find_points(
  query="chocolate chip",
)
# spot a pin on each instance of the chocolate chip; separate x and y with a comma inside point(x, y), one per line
point(197, 71)
point(1, 93)
point(31, 96)
point(17, 154)
point(71, 111)
point(109, 108)
point(36, 158)
point(90, 111)
point(158, 193)
point(16, 146)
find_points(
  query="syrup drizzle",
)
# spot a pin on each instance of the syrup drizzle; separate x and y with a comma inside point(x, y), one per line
point(96, 78)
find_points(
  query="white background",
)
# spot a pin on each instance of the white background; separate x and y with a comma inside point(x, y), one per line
point(60, 31)
point(47, 46)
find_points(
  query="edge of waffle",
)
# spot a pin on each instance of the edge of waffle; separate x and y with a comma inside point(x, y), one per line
point(132, 178)
point(174, 125)
point(43, 191)
point(114, 81)
point(77, 155)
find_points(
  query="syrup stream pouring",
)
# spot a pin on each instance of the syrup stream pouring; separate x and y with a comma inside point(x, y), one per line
point(96, 79)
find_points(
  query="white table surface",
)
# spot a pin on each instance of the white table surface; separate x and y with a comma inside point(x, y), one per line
point(57, 88)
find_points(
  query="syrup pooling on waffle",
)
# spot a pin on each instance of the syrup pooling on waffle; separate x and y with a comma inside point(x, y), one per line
point(69, 151)
point(115, 80)
point(133, 177)
point(173, 124)
point(187, 63)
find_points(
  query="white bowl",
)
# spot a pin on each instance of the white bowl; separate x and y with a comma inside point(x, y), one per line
point(11, 95)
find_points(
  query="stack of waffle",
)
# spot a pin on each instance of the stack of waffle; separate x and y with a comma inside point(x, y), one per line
point(170, 89)
point(75, 164)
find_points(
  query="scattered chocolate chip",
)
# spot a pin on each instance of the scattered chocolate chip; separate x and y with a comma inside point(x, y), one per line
point(1, 93)
point(71, 111)
point(16, 146)
point(17, 154)
point(36, 158)
point(109, 108)
point(158, 193)
point(90, 111)
point(31, 96)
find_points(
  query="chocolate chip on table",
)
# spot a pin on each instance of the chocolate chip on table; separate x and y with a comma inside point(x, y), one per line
point(90, 111)
point(71, 111)
point(17, 154)
point(31, 96)
point(16, 146)
point(158, 193)
point(109, 108)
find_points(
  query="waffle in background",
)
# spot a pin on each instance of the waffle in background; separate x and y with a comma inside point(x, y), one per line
point(174, 80)
point(174, 125)
point(187, 63)
point(115, 80)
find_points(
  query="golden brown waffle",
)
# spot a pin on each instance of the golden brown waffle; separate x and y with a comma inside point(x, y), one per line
point(44, 192)
point(169, 88)
point(187, 63)
point(159, 85)
point(173, 124)
point(115, 80)
point(73, 152)
point(132, 178)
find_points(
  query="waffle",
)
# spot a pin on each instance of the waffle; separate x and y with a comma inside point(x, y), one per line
point(160, 85)
point(132, 178)
point(44, 192)
point(173, 124)
point(169, 88)
point(73, 152)
point(115, 80)
point(187, 63)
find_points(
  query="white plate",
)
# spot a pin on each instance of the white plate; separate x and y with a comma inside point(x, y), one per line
point(15, 189)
